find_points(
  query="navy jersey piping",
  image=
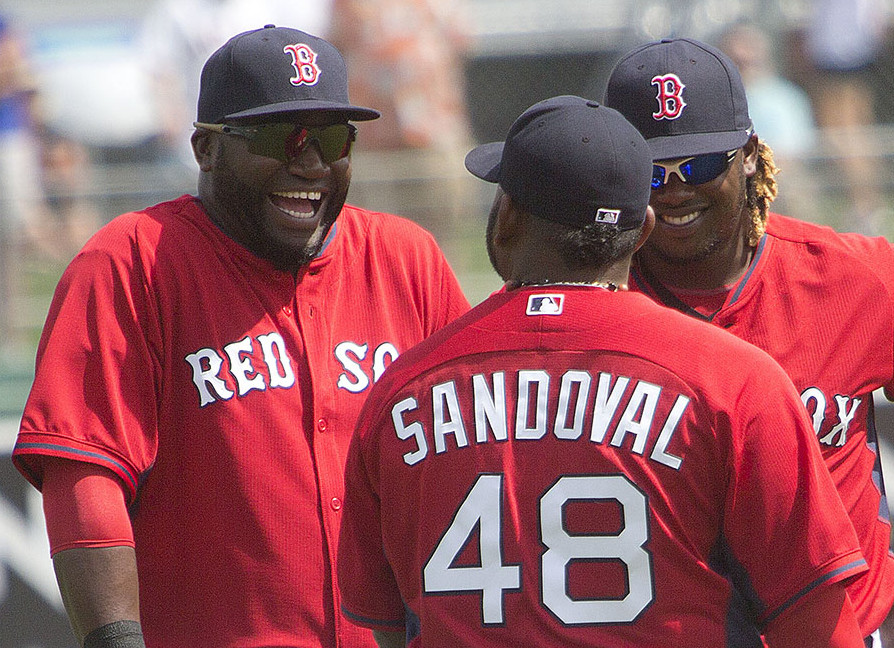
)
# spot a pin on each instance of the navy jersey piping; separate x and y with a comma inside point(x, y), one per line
point(647, 280)
point(82, 453)
point(396, 624)
point(819, 581)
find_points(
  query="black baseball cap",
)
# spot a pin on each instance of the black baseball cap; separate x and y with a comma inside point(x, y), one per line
point(684, 96)
point(275, 71)
point(573, 161)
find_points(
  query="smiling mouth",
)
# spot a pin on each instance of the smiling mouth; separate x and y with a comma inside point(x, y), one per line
point(679, 221)
point(298, 204)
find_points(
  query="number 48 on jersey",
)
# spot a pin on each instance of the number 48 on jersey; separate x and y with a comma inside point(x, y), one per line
point(482, 510)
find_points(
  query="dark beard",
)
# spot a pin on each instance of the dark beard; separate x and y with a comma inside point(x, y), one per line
point(247, 204)
point(716, 242)
point(702, 254)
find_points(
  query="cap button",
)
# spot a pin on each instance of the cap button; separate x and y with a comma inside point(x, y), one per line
point(269, 26)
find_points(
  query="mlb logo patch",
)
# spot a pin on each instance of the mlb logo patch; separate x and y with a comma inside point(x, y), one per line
point(609, 216)
point(545, 304)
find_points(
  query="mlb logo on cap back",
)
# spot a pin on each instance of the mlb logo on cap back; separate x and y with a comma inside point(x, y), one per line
point(610, 216)
point(275, 71)
point(684, 96)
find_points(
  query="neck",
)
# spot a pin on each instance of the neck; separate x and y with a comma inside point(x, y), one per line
point(716, 270)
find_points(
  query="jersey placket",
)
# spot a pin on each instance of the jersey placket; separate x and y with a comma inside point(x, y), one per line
point(311, 310)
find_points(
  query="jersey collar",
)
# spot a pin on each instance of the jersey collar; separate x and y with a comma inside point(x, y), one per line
point(651, 286)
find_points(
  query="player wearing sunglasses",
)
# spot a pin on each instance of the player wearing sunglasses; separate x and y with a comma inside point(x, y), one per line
point(821, 303)
point(286, 140)
point(205, 360)
point(694, 170)
point(295, 181)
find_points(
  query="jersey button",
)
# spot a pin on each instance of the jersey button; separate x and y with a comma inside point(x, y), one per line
point(287, 310)
point(335, 504)
point(322, 425)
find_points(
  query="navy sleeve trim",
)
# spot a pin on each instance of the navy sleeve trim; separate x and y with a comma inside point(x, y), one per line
point(93, 457)
point(366, 621)
point(819, 581)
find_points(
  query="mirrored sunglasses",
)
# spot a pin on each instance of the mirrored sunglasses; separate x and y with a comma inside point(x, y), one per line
point(286, 141)
point(692, 170)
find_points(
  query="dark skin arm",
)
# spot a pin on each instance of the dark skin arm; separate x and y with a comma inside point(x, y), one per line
point(98, 586)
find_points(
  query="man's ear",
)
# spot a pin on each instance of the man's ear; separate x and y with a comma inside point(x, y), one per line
point(204, 148)
point(749, 155)
point(648, 226)
point(510, 219)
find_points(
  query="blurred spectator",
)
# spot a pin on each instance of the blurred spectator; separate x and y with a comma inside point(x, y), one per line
point(843, 40)
point(66, 178)
point(23, 208)
point(781, 111)
point(406, 58)
point(179, 35)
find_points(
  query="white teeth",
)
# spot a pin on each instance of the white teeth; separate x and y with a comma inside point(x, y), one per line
point(680, 220)
point(305, 195)
point(298, 214)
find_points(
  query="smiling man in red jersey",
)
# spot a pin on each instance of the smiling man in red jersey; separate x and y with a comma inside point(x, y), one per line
point(204, 362)
point(821, 303)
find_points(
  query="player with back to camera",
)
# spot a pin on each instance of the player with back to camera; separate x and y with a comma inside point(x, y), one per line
point(821, 303)
point(203, 364)
point(571, 464)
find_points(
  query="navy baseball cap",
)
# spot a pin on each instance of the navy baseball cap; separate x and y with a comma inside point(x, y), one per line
point(573, 161)
point(684, 96)
point(275, 71)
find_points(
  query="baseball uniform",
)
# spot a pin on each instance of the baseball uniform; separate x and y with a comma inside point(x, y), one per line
point(572, 466)
point(223, 393)
point(822, 304)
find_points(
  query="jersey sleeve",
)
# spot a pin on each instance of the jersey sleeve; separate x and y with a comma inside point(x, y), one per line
point(785, 529)
point(443, 292)
point(369, 590)
point(94, 392)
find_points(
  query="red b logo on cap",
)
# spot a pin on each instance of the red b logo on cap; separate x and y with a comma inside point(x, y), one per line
point(304, 60)
point(670, 96)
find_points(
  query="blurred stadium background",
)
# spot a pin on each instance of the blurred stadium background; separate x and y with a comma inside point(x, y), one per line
point(87, 57)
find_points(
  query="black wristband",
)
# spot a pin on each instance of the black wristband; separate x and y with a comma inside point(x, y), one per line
point(120, 634)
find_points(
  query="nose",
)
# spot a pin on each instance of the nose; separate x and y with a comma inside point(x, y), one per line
point(672, 192)
point(309, 162)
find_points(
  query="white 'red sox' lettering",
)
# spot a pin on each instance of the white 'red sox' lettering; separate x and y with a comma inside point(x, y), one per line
point(536, 415)
point(207, 364)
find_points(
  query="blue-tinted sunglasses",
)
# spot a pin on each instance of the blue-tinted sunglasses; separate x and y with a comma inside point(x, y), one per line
point(694, 170)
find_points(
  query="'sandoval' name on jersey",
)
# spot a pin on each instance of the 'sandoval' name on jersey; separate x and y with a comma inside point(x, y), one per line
point(537, 415)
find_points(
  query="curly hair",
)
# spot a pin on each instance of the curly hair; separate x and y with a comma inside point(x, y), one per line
point(596, 245)
point(761, 190)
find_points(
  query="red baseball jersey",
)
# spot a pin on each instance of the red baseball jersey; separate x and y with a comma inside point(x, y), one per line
point(224, 393)
point(571, 466)
point(822, 304)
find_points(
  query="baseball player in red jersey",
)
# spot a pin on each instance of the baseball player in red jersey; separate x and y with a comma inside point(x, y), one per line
point(571, 464)
point(819, 302)
point(204, 362)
